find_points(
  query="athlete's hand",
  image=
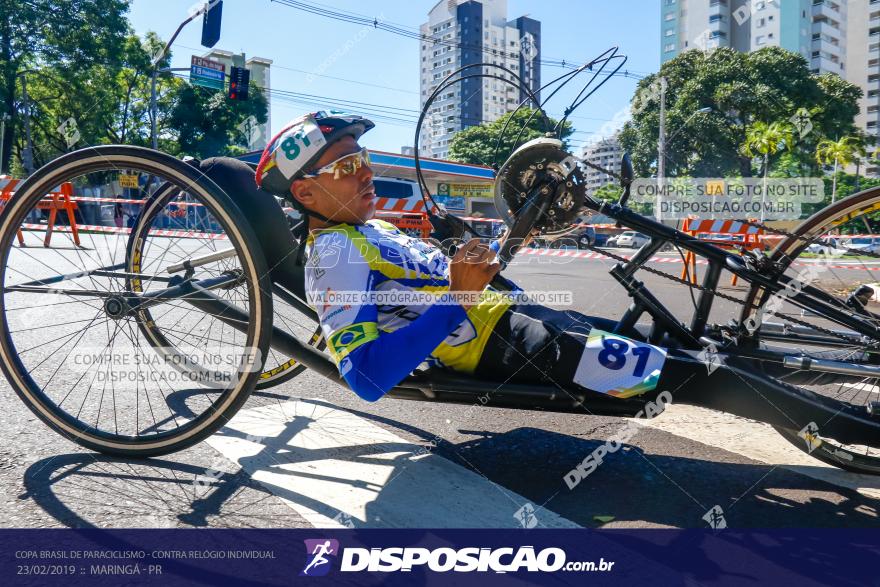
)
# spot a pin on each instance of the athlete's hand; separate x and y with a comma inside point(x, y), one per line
point(472, 268)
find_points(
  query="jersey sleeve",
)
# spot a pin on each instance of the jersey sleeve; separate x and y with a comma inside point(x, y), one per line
point(338, 281)
point(370, 361)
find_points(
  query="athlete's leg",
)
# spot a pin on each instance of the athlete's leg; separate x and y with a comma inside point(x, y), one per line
point(536, 344)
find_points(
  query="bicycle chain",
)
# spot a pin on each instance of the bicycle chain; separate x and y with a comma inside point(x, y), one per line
point(715, 292)
point(722, 295)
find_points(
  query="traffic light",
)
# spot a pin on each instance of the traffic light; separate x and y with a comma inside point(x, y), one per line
point(211, 23)
point(239, 79)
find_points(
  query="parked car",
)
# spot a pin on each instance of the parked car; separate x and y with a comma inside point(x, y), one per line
point(712, 236)
point(864, 244)
point(827, 246)
point(586, 237)
point(589, 236)
point(631, 239)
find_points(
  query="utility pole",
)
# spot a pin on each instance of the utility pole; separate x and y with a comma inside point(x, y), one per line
point(27, 157)
point(3, 118)
point(661, 150)
point(212, 10)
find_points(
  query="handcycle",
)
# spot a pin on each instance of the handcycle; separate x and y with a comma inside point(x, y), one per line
point(168, 326)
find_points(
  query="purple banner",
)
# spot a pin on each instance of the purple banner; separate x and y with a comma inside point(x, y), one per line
point(436, 557)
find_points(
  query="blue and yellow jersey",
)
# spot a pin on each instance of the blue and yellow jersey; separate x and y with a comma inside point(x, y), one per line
point(378, 257)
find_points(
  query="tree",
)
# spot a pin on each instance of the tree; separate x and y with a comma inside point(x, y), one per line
point(608, 192)
point(207, 123)
point(476, 144)
point(106, 103)
point(70, 35)
point(766, 139)
point(840, 152)
point(768, 85)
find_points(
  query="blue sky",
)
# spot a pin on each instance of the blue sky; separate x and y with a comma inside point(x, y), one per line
point(382, 69)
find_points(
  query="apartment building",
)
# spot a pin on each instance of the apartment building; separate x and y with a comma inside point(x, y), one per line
point(466, 32)
point(260, 68)
point(835, 36)
point(606, 153)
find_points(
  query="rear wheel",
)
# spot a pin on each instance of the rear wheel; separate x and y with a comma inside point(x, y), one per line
point(71, 338)
point(849, 280)
point(145, 254)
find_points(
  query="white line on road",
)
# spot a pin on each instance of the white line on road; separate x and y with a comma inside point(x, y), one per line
point(756, 441)
point(327, 463)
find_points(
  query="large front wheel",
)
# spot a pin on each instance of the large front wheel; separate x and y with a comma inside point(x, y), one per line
point(71, 342)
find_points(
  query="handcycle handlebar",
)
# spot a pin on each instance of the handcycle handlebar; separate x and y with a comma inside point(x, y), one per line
point(535, 206)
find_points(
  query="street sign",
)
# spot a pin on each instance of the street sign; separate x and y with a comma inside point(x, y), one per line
point(207, 73)
point(466, 190)
point(128, 180)
point(451, 202)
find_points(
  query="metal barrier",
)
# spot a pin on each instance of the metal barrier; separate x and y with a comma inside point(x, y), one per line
point(749, 239)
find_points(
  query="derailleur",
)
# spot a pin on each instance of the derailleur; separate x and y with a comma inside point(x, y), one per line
point(759, 262)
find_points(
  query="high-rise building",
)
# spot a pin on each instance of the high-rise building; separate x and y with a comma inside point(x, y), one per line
point(466, 32)
point(863, 64)
point(748, 25)
point(606, 153)
point(835, 36)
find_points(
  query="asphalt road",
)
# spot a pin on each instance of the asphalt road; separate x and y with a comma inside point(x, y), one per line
point(309, 453)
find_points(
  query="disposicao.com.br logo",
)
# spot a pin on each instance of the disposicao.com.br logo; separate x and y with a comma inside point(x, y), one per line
point(319, 555)
point(444, 559)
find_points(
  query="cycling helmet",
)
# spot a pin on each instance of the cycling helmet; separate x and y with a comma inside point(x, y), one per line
point(299, 145)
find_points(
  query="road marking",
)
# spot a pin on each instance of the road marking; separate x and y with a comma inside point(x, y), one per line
point(327, 463)
point(870, 388)
point(757, 441)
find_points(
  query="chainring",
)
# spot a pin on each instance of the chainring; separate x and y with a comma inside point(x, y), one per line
point(541, 161)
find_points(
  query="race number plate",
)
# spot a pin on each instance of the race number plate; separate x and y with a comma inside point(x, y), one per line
point(619, 366)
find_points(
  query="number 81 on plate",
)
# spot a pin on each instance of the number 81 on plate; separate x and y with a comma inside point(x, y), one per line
point(619, 366)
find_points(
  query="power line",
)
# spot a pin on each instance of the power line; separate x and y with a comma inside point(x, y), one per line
point(401, 116)
point(275, 65)
point(354, 18)
point(371, 19)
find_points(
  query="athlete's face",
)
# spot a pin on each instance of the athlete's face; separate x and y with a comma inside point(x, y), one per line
point(347, 198)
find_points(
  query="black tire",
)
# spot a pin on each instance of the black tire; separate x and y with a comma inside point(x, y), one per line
point(843, 215)
point(833, 454)
point(153, 440)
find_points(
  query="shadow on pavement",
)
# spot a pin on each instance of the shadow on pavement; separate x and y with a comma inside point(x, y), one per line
point(92, 490)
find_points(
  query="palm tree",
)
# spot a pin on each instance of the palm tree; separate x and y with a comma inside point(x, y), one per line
point(766, 139)
point(841, 153)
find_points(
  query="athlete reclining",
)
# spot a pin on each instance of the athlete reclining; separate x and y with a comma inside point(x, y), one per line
point(317, 164)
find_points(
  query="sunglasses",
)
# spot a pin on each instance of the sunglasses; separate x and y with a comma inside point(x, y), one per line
point(347, 165)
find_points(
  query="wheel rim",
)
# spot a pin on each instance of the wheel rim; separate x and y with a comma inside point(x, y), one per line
point(839, 274)
point(28, 375)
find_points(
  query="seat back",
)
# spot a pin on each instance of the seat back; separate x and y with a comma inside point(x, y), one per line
point(265, 214)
